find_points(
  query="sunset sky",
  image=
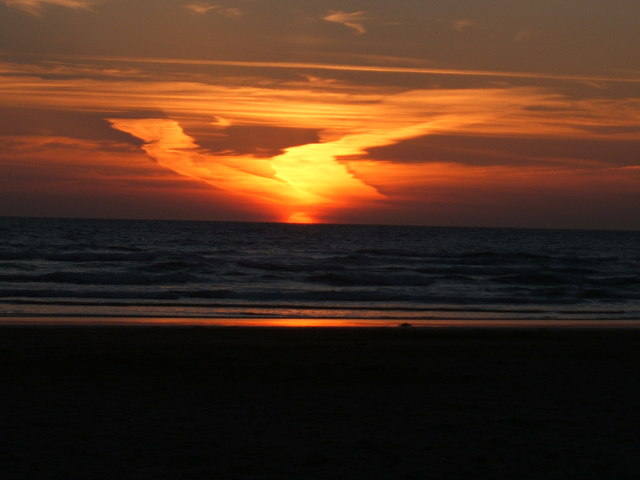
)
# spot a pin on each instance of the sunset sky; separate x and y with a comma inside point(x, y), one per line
point(443, 112)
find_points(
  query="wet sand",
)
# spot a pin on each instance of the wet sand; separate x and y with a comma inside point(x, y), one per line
point(166, 402)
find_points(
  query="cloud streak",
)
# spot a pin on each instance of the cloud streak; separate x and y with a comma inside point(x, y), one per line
point(462, 24)
point(507, 111)
point(353, 20)
point(202, 8)
point(363, 68)
point(35, 7)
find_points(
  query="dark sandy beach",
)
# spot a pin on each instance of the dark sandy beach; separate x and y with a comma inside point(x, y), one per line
point(318, 403)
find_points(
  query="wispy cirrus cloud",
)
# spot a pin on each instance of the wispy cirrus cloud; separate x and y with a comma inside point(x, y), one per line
point(353, 20)
point(35, 7)
point(462, 24)
point(632, 76)
point(202, 8)
point(498, 110)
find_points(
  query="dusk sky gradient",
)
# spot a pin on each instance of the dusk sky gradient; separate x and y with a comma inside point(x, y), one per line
point(456, 112)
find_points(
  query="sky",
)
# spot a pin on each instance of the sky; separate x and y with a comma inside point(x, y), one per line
point(421, 112)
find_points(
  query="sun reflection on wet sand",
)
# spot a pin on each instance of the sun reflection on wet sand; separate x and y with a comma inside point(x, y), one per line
point(314, 322)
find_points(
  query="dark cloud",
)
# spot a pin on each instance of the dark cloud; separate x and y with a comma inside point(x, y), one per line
point(78, 125)
point(613, 130)
point(485, 151)
point(259, 141)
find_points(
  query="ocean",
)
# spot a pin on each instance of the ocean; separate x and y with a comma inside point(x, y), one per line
point(231, 270)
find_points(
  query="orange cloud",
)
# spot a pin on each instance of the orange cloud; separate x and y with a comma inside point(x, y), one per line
point(505, 111)
point(202, 8)
point(353, 20)
point(299, 182)
point(35, 7)
point(462, 24)
point(336, 169)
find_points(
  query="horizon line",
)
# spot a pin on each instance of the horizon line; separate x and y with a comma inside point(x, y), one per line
point(311, 225)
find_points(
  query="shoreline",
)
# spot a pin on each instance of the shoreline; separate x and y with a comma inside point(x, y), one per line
point(234, 322)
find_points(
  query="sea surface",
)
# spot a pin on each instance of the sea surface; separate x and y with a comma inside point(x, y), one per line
point(227, 270)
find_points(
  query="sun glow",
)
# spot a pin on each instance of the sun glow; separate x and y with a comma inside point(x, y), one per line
point(308, 175)
point(300, 217)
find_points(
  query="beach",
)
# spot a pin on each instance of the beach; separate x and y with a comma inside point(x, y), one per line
point(143, 402)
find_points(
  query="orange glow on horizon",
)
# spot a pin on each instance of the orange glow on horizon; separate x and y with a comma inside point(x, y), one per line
point(300, 217)
point(304, 175)
point(312, 151)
